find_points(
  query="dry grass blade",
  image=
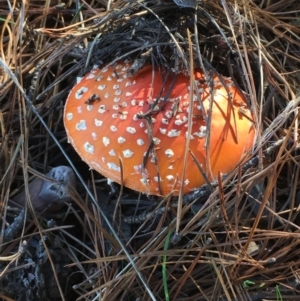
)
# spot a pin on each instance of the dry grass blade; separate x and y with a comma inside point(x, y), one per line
point(189, 131)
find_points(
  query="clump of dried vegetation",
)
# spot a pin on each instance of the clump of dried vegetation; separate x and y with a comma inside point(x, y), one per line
point(239, 242)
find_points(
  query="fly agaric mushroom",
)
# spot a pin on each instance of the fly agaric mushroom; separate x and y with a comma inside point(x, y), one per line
point(133, 130)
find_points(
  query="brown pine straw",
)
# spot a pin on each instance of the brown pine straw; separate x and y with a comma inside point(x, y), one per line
point(239, 242)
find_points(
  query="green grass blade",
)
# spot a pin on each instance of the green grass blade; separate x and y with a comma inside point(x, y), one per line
point(164, 269)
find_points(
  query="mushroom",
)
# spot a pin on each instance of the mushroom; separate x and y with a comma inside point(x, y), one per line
point(133, 129)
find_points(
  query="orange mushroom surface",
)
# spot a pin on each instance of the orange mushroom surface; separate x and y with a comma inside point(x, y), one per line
point(133, 130)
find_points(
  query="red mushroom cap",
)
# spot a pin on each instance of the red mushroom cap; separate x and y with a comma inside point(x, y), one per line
point(105, 124)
